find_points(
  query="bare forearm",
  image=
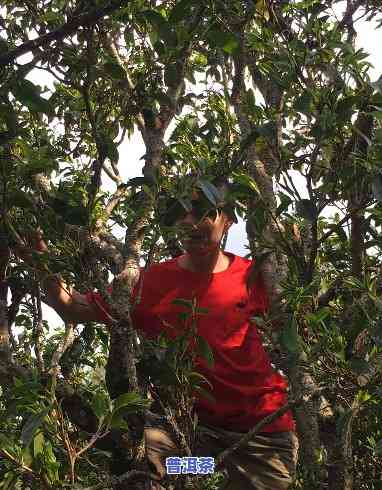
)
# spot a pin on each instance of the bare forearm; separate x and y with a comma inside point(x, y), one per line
point(66, 301)
point(58, 295)
point(71, 305)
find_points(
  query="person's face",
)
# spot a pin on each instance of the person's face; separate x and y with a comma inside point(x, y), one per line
point(201, 233)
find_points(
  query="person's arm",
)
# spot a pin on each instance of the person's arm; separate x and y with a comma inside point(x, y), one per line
point(66, 301)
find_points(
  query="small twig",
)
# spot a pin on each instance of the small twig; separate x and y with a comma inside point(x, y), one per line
point(9, 457)
point(61, 80)
point(13, 460)
point(265, 421)
point(93, 440)
point(293, 185)
point(67, 443)
point(121, 193)
point(330, 294)
point(65, 343)
point(337, 225)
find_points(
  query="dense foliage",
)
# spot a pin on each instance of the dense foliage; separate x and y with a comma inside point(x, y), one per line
point(247, 91)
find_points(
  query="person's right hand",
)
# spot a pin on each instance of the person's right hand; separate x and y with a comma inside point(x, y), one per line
point(37, 242)
point(34, 242)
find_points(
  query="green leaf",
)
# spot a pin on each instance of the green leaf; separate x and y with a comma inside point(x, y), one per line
point(28, 94)
point(9, 480)
point(26, 456)
point(172, 211)
point(262, 9)
point(163, 28)
point(126, 403)
point(205, 351)
point(5, 443)
point(38, 444)
point(303, 103)
point(100, 404)
point(182, 302)
point(289, 337)
point(227, 41)
point(171, 74)
point(286, 201)
point(205, 394)
point(128, 36)
point(363, 396)
point(23, 320)
point(345, 107)
point(202, 311)
point(131, 401)
point(180, 12)
point(186, 203)
point(366, 138)
point(114, 70)
point(110, 149)
point(376, 186)
point(21, 199)
point(160, 48)
point(4, 46)
point(358, 366)
point(196, 379)
point(306, 209)
point(211, 192)
point(247, 181)
point(50, 463)
point(137, 181)
point(32, 424)
point(377, 85)
point(118, 421)
point(8, 115)
point(259, 321)
point(77, 216)
point(378, 448)
point(340, 232)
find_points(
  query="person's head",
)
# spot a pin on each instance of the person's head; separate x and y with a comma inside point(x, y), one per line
point(201, 230)
point(199, 224)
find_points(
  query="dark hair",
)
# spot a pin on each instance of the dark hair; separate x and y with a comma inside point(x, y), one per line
point(228, 204)
point(214, 194)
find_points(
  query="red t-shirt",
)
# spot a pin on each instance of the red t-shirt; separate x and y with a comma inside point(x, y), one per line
point(245, 386)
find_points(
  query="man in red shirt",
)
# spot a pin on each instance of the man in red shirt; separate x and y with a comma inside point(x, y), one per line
point(245, 386)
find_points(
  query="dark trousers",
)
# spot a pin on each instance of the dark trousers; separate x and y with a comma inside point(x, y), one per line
point(267, 462)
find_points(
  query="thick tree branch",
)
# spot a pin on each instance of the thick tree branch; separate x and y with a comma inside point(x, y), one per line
point(64, 345)
point(341, 467)
point(112, 175)
point(86, 19)
point(347, 20)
